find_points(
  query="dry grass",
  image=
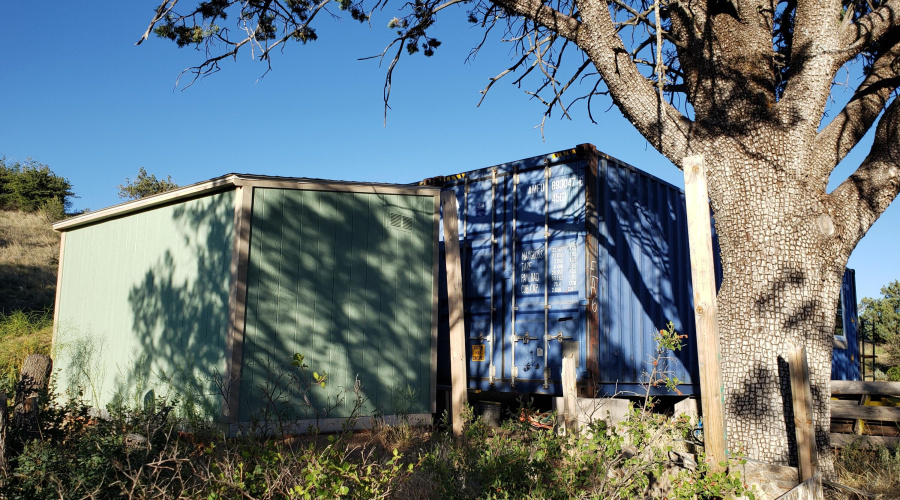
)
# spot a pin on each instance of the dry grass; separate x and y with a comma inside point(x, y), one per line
point(874, 472)
point(29, 254)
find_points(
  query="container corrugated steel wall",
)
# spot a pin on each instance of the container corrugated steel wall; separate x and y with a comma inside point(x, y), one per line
point(544, 276)
point(845, 360)
point(346, 280)
point(143, 305)
point(577, 252)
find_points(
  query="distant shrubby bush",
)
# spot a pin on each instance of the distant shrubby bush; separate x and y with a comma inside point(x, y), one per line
point(32, 186)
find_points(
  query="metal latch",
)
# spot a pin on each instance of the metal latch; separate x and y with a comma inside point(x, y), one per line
point(479, 338)
point(524, 338)
point(559, 336)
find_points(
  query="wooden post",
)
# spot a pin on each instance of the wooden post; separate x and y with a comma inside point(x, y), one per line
point(703, 276)
point(803, 421)
point(570, 397)
point(455, 305)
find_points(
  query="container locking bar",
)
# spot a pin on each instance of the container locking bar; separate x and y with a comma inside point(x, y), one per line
point(515, 237)
point(492, 371)
point(547, 280)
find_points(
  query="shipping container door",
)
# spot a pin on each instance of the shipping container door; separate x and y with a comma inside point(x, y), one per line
point(548, 275)
point(481, 208)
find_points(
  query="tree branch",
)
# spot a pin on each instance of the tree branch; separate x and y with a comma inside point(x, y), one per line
point(552, 19)
point(864, 196)
point(861, 35)
point(813, 50)
point(161, 12)
point(658, 121)
point(850, 125)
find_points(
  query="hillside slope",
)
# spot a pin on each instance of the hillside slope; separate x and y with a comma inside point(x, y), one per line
point(29, 255)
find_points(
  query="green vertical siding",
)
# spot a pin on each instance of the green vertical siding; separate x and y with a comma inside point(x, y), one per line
point(143, 305)
point(330, 278)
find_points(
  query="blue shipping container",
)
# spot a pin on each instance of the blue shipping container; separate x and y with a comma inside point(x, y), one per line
point(572, 252)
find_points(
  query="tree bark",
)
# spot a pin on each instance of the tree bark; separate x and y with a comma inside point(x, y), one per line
point(783, 261)
point(33, 380)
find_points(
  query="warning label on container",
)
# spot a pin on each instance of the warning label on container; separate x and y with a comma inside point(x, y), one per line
point(478, 352)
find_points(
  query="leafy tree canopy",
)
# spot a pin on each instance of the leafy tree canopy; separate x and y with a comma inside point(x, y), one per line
point(32, 185)
point(145, 185)
point(883, 313)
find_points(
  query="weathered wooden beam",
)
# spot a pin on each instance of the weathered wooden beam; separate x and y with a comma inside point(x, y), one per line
point(840, 440)
point(455, 304)
point(852, 387)
point(803, 416)
point(884, 413)
point(809, 489)
point(703, 276)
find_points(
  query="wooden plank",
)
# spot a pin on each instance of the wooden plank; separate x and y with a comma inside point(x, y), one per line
point(435, 266)
point(865, 387)
point(304, 184)
point(803, 416)
point(885, 413)
point(809, 489)
point(455, 305)
point(840, 440)
point(696, 197)
point(570, 397)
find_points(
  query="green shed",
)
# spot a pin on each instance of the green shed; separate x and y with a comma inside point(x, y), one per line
point(205, 293)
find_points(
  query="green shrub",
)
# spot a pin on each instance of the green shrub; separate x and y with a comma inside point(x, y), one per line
point(22, 333)
point(893, 374)
point(31, 185)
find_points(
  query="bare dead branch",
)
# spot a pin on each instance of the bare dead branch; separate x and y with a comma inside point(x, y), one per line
point(161, 12)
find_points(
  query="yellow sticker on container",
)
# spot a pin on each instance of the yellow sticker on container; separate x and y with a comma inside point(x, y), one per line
point(478, 352)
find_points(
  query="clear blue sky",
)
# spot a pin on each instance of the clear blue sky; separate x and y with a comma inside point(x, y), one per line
point(77, 95)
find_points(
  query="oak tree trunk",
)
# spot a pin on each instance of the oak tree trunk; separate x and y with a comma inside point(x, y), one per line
point(783, 267)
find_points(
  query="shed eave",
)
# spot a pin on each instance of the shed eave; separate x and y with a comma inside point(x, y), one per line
point(213, 185)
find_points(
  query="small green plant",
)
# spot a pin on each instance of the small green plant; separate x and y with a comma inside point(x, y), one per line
point(893, 374)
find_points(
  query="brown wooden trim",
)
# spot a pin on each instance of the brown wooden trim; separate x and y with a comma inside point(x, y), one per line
point(862, 387)
point(842, 440)
point(237, 301)
point(340, 186)
point(435, 266)
point(59, 273)
point(592, 266)
point(883, 413)
point(192, 191)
